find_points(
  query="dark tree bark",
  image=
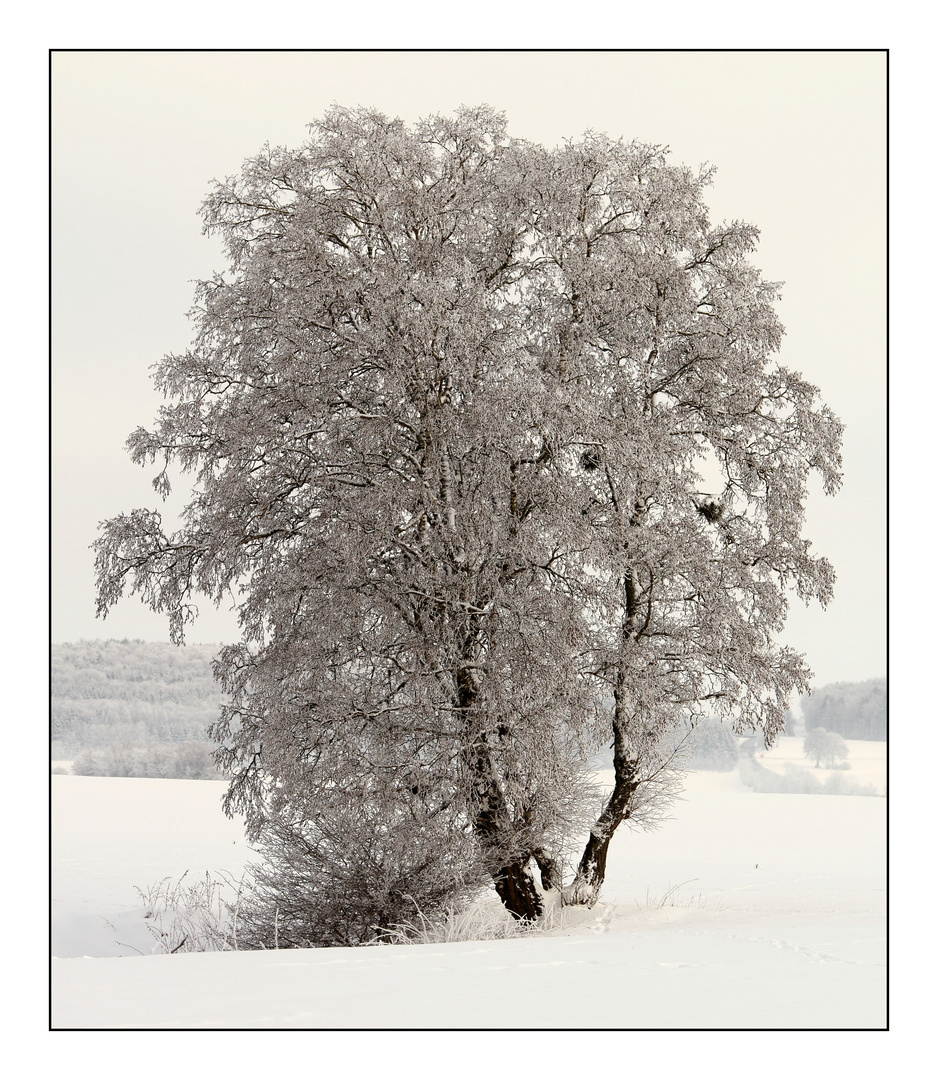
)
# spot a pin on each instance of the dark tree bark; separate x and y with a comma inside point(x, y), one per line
point(518, 891)
point(591, 871)
point(514, 881)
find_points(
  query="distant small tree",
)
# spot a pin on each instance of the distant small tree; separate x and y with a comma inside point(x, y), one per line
point(492, 443)
point(826, 746)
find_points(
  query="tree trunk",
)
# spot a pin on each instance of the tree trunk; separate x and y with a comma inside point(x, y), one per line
point(591, 871)
point(517, 886)
point(514, 881)
point(518, 891)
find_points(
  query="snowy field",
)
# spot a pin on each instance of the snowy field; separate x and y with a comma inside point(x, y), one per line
point(743, 911)
point(867, 761)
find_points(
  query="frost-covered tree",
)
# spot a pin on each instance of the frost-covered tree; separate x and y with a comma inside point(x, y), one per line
point(449, 411)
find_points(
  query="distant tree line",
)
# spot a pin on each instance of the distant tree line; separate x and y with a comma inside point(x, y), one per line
point(114, 695)
point(141, 708)
point(135, 708)
point(182, 761)
point(852, 710)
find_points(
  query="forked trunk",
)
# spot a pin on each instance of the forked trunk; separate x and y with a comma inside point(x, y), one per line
point(514, 881)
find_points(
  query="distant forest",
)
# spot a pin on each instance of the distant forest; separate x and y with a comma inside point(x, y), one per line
point(120, 694)
point(106, 693)
point(853, 710)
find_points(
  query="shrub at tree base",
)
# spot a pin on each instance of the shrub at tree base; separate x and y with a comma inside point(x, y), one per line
point(448, 411)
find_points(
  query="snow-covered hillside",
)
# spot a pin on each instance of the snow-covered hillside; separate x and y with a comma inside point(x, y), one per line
point(744, 911)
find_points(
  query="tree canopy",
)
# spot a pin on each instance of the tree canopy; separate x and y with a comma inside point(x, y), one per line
point(493, 443)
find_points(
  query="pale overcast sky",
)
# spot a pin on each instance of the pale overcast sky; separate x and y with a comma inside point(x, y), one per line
point(798, 140)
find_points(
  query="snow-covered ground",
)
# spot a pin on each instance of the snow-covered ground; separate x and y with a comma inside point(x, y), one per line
point(744, 911)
